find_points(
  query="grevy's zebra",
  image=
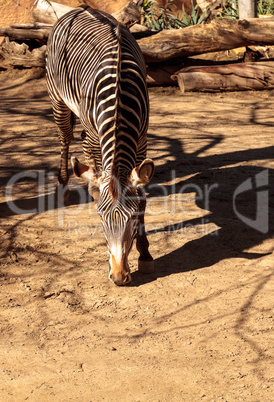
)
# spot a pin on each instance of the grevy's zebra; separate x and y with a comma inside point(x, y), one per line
point(96, 70)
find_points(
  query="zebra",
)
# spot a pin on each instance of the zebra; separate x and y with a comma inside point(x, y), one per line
point(96, 71)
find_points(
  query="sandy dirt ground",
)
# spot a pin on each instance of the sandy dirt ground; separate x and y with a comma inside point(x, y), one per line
point(200, 328)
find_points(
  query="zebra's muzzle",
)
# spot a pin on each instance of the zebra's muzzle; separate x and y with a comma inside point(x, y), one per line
point(120, 280)
point(119, 274)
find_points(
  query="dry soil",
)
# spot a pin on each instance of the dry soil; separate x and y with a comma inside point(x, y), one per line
point(200, 328)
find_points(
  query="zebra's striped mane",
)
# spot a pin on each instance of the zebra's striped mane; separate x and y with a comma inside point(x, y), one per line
point(100, 15)
point(114, 172)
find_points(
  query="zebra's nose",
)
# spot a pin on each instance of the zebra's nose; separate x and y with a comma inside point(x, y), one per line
point(127, 279)
point(120, 278)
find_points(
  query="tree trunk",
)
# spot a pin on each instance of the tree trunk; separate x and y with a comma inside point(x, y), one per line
point(49, 14)
point(230, 77)
point(129, 14)
point(26, 34)
point(222, 34)
point(247, 9)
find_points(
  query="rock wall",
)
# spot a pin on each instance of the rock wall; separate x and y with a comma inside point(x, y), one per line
point(110, 6)
point(19, 11)
point(12, 11)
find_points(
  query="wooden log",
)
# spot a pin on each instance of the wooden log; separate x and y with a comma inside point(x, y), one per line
point(230, 77)
point(140, 31)
point(18, 55)
point(221, 34)
point(32, 25)
point(26, 34)
point(139, 28)
point(49, 14)
point(199, 39)
point(127, 15)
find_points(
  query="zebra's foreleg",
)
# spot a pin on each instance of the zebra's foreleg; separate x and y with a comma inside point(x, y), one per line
point(62, 191)
point(145, 261)
point(64, 119)
point(87, 149)
point(90, 161)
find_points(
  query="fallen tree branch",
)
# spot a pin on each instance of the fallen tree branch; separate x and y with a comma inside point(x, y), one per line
point(49, 13)
point(18, 55)
point(129, 14)
point(26, 34)
point(32, 25)
point(222, 34)
point(31, 31)
point(229, 77)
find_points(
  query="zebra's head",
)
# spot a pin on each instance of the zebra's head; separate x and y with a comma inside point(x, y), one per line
point(119, 206)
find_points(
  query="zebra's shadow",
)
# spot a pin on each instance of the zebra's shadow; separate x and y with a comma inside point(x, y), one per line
point(240, 207)
point(45, 202)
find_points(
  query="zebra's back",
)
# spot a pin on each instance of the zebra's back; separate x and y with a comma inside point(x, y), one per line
point(95, 67)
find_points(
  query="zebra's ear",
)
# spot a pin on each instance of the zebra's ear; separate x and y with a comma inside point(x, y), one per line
point(143, 173)
point(84, 171)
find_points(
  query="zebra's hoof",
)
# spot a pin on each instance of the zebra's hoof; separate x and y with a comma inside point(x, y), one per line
point(66, 196)
point(62, 194)
point(146, 267)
